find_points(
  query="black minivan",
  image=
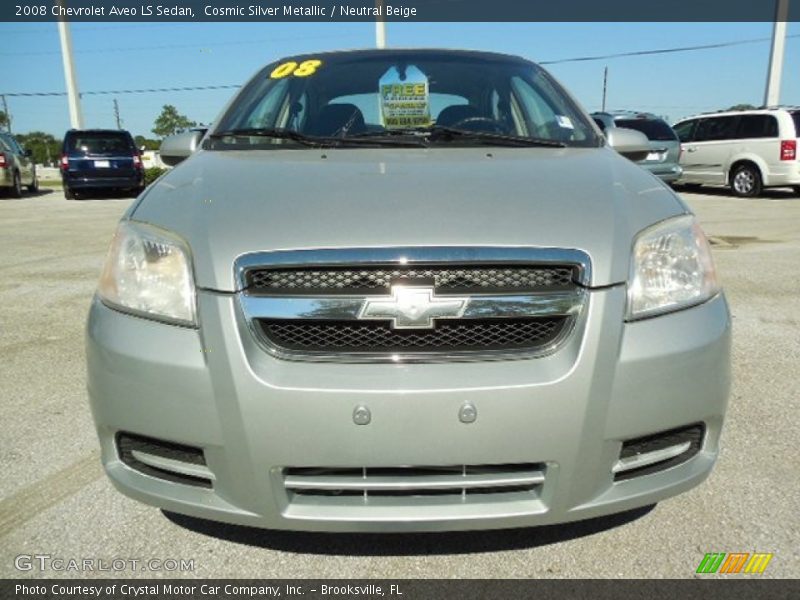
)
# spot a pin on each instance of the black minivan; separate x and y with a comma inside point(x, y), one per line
point(93, 159)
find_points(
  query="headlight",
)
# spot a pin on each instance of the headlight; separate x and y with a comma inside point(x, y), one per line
point(148, 272)
point(671, 268)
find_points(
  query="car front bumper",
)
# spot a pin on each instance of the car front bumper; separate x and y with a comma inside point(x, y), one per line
point(255, 415)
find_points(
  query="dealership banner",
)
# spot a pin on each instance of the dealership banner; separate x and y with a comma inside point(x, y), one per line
point(398, 10)
point(400, 589)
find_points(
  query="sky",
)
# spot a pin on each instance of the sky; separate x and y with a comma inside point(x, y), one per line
point(116, 56)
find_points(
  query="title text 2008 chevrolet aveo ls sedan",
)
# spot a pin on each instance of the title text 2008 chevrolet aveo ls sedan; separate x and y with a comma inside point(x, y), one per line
point(407, 290)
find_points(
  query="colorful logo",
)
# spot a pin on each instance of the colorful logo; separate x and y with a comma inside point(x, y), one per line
point(734, 562)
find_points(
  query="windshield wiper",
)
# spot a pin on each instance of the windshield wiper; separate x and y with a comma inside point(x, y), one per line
point(313, 141)
point(283, 134)
point(441, 132)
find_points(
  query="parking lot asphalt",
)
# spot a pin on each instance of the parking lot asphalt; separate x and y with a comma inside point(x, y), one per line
point(55, 501)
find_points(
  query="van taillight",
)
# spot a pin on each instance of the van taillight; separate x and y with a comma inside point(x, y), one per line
point(2, 161)
point(64, 162)
point(789, 150)
point(137, 161)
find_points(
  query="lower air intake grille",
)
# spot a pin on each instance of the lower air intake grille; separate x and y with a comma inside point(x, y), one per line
point(454, 481)
point(461, 335)
point(675, 445)
point(165, 460)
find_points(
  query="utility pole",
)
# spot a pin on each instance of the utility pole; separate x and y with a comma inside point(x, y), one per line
point(70, 76)
point(380, 26)
point(772, 95)
point(116, 114)
point(8, 114)
point(605, 88)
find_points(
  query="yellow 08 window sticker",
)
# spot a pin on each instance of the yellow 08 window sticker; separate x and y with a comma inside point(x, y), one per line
point(304, 69)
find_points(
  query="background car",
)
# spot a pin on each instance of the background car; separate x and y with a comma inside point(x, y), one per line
point(100, 159)
point(17, 168)
point(663, 160)
point(746, 150)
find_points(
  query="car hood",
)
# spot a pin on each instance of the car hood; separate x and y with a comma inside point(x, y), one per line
point(229, 203)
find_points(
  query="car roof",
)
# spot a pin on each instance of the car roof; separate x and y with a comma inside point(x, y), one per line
point(628, 115)
point(735, 113)
point(378, 52)
point(74, 131)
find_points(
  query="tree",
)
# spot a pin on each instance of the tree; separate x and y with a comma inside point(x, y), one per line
point(5, 121)
point(742, 107)
point(148, 144)
point(45, 148)
point(170, 121)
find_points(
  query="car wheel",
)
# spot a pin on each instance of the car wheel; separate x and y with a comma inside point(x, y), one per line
point(796, 190)
point(16, 188)
point(69, 194)
point(746, 181)
point(34, 186)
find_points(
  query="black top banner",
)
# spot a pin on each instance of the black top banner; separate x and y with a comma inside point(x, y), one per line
point(401, 10)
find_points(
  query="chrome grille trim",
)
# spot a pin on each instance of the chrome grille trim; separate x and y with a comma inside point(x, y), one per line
point(258, 308)
point(345, 308)
point(457, 481)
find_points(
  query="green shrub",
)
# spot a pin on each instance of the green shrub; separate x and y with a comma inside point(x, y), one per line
point(152, 173)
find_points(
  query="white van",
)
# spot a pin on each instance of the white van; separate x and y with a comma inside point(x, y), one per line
point(746, 150)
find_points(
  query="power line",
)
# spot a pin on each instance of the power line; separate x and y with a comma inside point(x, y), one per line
point(548, 62)
point(171, 46)
point(660, 51)
point(141, 91)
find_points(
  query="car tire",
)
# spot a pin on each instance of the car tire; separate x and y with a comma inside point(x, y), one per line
point(746, 181)
point(34, 186)
point(16, 186)
point(796, 190)
point(69, 194)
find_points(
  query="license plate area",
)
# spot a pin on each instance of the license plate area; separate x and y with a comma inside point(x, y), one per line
point(102, 164)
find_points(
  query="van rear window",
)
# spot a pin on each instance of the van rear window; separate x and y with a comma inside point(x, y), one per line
point(100, 143)
point(796, 117)
point(656, 131)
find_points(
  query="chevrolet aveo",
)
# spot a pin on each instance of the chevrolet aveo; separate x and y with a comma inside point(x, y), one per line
point(402, 290)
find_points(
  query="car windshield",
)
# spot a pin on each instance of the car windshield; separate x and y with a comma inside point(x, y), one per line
point(391, 97)
point(99, 143)
point(655, 130)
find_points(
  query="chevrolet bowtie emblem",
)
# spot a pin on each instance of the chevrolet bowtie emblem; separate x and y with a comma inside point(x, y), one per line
point(412, 307)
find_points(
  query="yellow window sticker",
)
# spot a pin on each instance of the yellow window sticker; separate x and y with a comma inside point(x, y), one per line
point(303, 69)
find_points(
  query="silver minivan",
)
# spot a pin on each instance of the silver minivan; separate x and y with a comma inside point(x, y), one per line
point(663, 160)
point(396, 290)
point(745, 150)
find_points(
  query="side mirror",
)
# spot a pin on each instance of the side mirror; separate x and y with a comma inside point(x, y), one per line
point(27, 153)
point(632, 144)
point(177, 148)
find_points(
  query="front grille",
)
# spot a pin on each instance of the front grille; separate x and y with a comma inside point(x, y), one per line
point(377, 280)
point(461, 335)
point(458, 481)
